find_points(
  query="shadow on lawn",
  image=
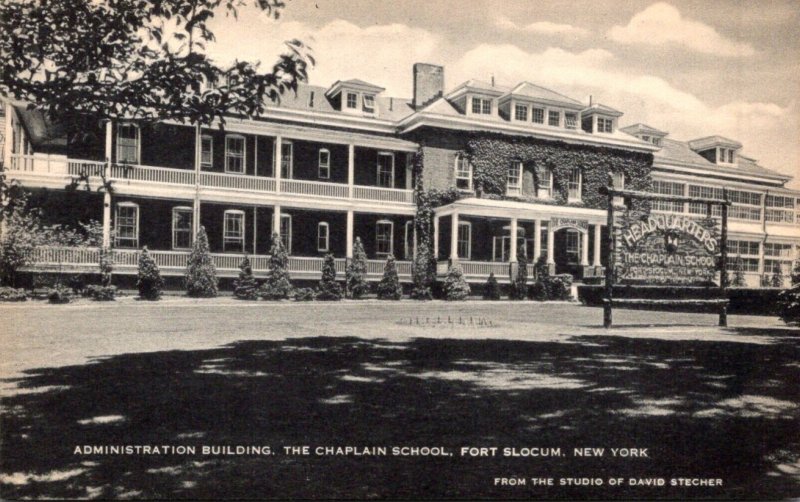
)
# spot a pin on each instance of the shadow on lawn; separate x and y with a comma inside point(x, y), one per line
point(703, 409)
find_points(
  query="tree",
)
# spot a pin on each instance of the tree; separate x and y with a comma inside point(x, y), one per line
point(329, 289)
point(245, 287)
point(491, 291)
point(278, 285)
point(201, 274)
point(455, 286)
point(146, 60)
point(796, 273)
point(19, 237)
point(776, 281)
point(356, 273)
point(389, 288)
point(789, 299)
point(738, 272)
point(149, 280)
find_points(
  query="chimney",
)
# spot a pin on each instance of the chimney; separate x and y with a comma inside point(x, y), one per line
point(428, 83)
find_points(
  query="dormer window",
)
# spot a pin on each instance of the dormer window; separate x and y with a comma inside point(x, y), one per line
point(605, 125)
point(554, 118)
point(482, 106)
point(657, 141)
point(538, 115)
point(521, 112)
point(369, 103)
point(352, 100)
point(571, 120)
point(725, 155)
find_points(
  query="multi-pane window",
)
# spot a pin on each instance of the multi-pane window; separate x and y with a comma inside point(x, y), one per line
point(233, 231)
point(605, 125)
point(352, 100)
point(573, 246)
point(778, 255)
point(181, 227)
point(206, 151)
point(323, 236)
point(618, 179)
point(464, 240)
point(544, 188)
point(287, 155)
point(324, 164)
point(730, 156)
point(127, 144)
point(286, 232)
point(554, 118)
point(383, 237)
point(234, 154)
point(706, 193)
point(521, 112)
point(747, 251)
point(127, 225)
point(369, 103)
point(482, 106)
point(725, 155)
point(571, 120)
point(745, 205)
point(574, 184)
point(463, 172)
point(385, 170)
point(538, 115)
point(668, 188)
point(514, 179)
point(779, 209)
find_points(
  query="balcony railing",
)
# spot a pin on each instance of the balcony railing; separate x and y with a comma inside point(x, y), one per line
point(302, 187)
point(480, 270)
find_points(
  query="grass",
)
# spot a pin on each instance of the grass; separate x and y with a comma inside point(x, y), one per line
point(705, 402)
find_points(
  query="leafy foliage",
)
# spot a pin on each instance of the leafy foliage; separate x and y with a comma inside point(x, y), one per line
point(106, 267)
point(246, 286)
point(12, 295)
point(738, 272)
point(201, 274)
point(389, 288)
point(455, 286)
point(356, 272)
point(149, 280)
point(491, 291)
point(304, 295)
point(789, 299)
point(519, 289)
point(100, 293)
point(776, 280)
point(329, 289)
point(278, 285)
point(59, 294)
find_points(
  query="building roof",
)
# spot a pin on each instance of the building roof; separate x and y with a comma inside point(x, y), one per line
point(680, 152)
point(355, 84)
point(640, 128)
point(388, 108)
point(41, 131)
point(712, 141)
point(600, 108)
point(478, 86)
point(537, 92)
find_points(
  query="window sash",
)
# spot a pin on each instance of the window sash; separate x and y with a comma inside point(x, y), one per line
point(323, 236)
point(127, 144)
point(233, 231)
point(408, 241)
point(571, 120)
point(182, 228)
point(234, 154)
point(287, 157)
point(351, 100)
point(386, 170)
point(286, 232)
point(463, 173)
point(537, 115)
point(383, 237)
point(521, 112)
point(369, 103)
point(324, 171)
point(514, 178)
point(464, 248)
point(206, 151)
point(545, 187)
point(574, 184)
point(127, 226)
point(553, 118)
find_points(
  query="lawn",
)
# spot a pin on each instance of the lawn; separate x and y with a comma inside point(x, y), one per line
point(704, 402)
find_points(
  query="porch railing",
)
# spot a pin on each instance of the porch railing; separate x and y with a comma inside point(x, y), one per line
point(315, 188)
point(238, 182)
point(383, 194)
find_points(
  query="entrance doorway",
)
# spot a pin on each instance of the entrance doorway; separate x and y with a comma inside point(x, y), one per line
point(567, 251)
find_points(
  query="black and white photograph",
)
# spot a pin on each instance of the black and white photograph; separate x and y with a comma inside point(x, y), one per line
point(361, 249)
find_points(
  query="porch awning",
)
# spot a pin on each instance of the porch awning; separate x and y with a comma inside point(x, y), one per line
point(490, 208)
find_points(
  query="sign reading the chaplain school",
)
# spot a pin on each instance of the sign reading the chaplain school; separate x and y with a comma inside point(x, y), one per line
point(666, 249)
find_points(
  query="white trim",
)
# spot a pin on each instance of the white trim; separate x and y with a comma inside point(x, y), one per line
point(320, 166)
point(320, 226)
point(391, 237)
point(225, 238)
point(378, 169)
point(243, 156)
point(138, 142)
point(467, 224)
point(210, 138)
point(189, 210)
point(127, 204)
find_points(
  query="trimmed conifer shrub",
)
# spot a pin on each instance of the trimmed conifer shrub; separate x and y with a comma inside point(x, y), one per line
point(356, 284)
point(738, 273)
point(538, 291)
point(201, 274)
point(303, 294)
point(491, 291)
point(455, 286)
point(246, 286)
point(519, 288)
point(389, 288)
point(329, 289)
point(278, 285)
point(149, 281)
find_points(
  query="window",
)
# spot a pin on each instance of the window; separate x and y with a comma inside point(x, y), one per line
point(747, 251)
point(657, 141)
point(573, 246)
point(646, 138)
point(544, 188)
point(127, 144)
point(514, 179)
point(286, 232)
point(369, 103)
point(311, 99)
point(287, 154)
point(386, 169)
point(206, 151)
point(323, 236)
point(463, 172)
point(730, 156)
point(707, 193)
point(181, 227)
point(538, 115)
point(383, 237)
point(618, 179)
point(571, 120)
point(482, 106)
point(408, 243)
point(352, 100)
point(574, 185)
point(521, 112)
point(668, 188)
point(745, 205)
point(778, 255)
point(233, 231)
point(464, 240)
point(234, 154)
point(605, 125)
point(127, 225)
point(554, 118)
point(324, 164)
point(543, 240)
point(779, 209)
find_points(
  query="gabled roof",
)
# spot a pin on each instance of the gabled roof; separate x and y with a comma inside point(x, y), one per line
point(539, 93)
point(480, 87)
point(640, 128)
point(355, 84)
point(713, 141)
point(391, 109)
point(599, 108)
point(680, 152)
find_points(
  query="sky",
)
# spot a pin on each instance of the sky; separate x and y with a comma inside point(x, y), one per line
point(691, 68)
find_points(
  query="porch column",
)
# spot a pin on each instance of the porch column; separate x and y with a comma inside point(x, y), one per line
point(349, 247)
point(585, 248)
point(454, 238)
point(351, 168)
point(414, 245)
point(196, 201)
point(551, 243)
point(762, 269)
point(277, 168)
point(7, 146)
point(597, 239)
point(512, 252)
point(276, 220)
point(255, 230)
point(537, 239)
point(436, 237)
point(106, 194)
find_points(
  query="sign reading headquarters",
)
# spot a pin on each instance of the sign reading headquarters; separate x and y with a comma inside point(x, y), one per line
point(667, 249)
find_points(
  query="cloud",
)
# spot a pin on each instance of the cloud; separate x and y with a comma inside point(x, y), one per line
point(541, 27)
point(661, 23)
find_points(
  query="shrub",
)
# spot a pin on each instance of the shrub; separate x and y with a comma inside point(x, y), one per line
point(389, 288)
point(329, 289)
point(796, 273)
point(519, 290)
point(201, 275)
point(776, 281)
point(538, 291)
point(304, 294)
point(149, 281)
point(278, 285)
point(738, 273)
point(423, 270)
point(559, 287)
point(106, 266)
point(455, 286)
point(245, 287)
point(491, 291)
point(77, 283)
point(541, 270)
point(59, 294)
point(8, 294)
point(789, 305)
point(356, 284)
point(100, 293)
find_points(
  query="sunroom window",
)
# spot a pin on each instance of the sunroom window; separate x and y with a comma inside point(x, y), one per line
point(127, 225)
point(234, 154)
point(383, 237)
point(233, 231)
